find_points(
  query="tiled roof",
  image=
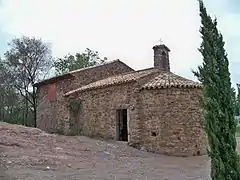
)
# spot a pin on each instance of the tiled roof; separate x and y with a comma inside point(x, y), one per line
point(168, 79)
point(70, 74)
point(114, 80)
point(163, 80)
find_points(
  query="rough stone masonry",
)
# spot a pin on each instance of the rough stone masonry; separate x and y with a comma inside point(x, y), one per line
point(151, 108)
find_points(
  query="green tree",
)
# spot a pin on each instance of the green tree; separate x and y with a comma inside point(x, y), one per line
point(80, 60)
point(26, 62)
point(11, 109)
point(217, 101)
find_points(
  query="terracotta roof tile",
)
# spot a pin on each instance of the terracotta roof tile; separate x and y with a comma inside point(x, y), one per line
point(70, 74)
point(114, 80)
point(163, 80)
point(168, 79)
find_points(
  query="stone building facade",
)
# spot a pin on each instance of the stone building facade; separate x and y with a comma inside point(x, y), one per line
point(151, 108)
point(53, 113)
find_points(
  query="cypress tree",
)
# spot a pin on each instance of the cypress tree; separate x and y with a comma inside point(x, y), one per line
point(238, 100)
point(217, 101)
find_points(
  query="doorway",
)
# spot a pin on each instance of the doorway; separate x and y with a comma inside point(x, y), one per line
point(122, 125)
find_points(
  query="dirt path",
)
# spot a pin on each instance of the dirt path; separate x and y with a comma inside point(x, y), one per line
point(29, 153)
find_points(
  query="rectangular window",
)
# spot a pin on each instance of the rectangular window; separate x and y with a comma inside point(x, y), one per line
point(52, 92)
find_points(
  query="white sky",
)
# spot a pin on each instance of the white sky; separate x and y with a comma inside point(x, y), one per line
point(118, 29)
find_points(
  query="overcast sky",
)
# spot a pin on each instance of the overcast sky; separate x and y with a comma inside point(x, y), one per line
point(123, 29)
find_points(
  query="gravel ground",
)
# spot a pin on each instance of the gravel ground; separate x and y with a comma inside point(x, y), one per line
point(31, 154)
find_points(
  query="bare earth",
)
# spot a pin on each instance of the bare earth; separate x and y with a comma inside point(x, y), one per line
point(31, 154)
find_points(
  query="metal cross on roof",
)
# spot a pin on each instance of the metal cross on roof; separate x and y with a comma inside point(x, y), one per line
point(160, 41)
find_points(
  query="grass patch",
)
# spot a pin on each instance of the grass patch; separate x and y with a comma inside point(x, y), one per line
point(238, 131)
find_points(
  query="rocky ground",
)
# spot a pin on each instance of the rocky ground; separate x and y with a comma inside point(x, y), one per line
point(31, 154)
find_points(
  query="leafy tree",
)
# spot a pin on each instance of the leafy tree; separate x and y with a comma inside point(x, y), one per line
point(80, 60)
point(217, 101)
point(26, 62)
point(10, 102)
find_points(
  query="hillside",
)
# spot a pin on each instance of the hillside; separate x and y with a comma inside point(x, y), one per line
point(29, 153)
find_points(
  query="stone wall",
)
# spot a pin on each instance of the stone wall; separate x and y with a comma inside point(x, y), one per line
point(90, 75)
point(97, 116)
point(162, 120)
point(167, 121)
point(172, 122)
point(53, 117)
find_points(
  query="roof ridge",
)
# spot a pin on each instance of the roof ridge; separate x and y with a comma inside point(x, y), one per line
point(125, 73)
point(113, 80)
point(70, 74)
point(97, 65)
point(183, 77)
point(169, 79)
